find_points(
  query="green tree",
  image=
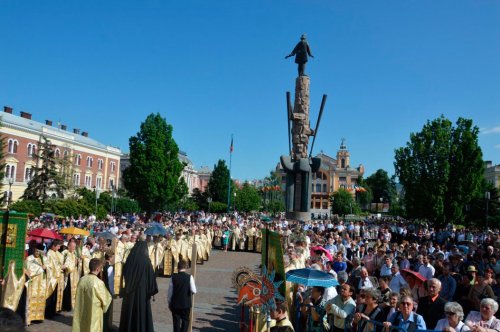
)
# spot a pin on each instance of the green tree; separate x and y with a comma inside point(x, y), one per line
point(218, 182)
point(200, 199)
point(247, 198)
point(343, 203)
point(364, 198)
point(475, 212)
point(154, 173)
point(26, 206)
point(46, 177)
point(273, 198)
point(441, 170)
point(381, 186)
point(126, 205)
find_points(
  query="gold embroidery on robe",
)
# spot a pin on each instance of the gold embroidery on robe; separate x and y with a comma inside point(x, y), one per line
point(36, 289)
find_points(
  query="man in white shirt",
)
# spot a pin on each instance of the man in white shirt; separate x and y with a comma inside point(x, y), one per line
point(397, 281)
point(385, 270)
point(179, 297)
point(364, 281)
point(426, 269)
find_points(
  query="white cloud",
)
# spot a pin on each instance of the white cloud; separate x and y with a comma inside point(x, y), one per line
point(492, 130)
point(497, 146)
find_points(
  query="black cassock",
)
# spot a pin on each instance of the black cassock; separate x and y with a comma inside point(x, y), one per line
point(140, 286)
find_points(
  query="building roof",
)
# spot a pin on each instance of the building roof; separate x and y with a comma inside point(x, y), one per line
point(35, 127)
point(204, 170)
point(184, 158)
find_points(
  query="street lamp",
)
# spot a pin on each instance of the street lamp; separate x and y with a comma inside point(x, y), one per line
point(209, 201)
point(234, 203)
point(487, 197)
point(96, 197)
point(9, 194)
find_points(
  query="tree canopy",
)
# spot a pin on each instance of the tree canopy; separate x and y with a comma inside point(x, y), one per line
point(218, 183)
point(343, 203)
point(381, 186)
point(154, 175)
point(441, 170)
point(247, 198)
point(46, 177)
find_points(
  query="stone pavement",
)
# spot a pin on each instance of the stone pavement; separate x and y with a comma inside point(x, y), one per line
point(215, 303)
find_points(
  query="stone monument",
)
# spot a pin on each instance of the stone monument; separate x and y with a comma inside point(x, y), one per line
point(299, 165)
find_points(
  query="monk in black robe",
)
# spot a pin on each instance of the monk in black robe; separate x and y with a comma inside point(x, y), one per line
point(140, 286)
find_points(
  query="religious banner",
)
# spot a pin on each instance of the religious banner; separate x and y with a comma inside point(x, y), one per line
point(272, 257)
point(13, 237)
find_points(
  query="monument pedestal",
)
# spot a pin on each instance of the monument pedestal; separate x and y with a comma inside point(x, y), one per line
point(297, 215)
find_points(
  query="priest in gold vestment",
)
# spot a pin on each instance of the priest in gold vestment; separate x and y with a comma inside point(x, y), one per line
point(92, 301)
point(71, 277)
point(55, 279)
point(36, 286)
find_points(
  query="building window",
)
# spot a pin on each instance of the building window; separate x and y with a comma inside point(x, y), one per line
point(342, 163)
point(98, 182)
point(113, 166)
point(66, 154)
point(318, 187)
point(90, 161)
point(100, 163)
point(111, 184)
point(12, 144)
point(57, 153)
point(78, 159)
point(28, 174)
point(10, 172)
point(31, 150)
point(312, 189)
point(76, 179)
point(324, 188)
point(88, 181)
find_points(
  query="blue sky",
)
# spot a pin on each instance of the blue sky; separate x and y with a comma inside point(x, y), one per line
point(213, 68)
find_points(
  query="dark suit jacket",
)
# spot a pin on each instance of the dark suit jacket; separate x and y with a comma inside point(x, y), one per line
point(431, 311)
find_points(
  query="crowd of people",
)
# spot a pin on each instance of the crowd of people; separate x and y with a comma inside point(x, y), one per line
point(118, 251)
point(392, 274)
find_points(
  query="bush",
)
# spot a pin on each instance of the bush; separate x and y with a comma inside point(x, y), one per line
point(27, 206)
point(69, 207)
point(126, 205)
point(218, 207)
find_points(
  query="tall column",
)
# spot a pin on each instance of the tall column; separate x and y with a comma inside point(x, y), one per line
point(301, 129)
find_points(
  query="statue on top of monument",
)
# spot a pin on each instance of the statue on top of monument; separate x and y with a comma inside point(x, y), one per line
point(301, 51)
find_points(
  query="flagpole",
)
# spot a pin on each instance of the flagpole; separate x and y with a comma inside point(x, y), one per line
point(229, 180)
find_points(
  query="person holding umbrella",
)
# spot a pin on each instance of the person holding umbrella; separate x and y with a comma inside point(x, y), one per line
point(314, 309)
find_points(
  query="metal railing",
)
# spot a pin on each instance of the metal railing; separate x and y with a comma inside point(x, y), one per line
point(381, 325)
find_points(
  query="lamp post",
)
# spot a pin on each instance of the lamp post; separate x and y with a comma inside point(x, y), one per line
point(234, 203)
point(487, 197)
point(9, 194)
point(96, 197)
point(113, 202)
point(209, 200)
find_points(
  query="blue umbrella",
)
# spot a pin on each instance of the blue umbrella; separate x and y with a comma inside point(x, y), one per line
point(156, 230)
point(311, 277)
point(107, 235)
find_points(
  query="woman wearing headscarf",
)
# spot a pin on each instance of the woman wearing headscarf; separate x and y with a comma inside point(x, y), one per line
point(140, 286)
